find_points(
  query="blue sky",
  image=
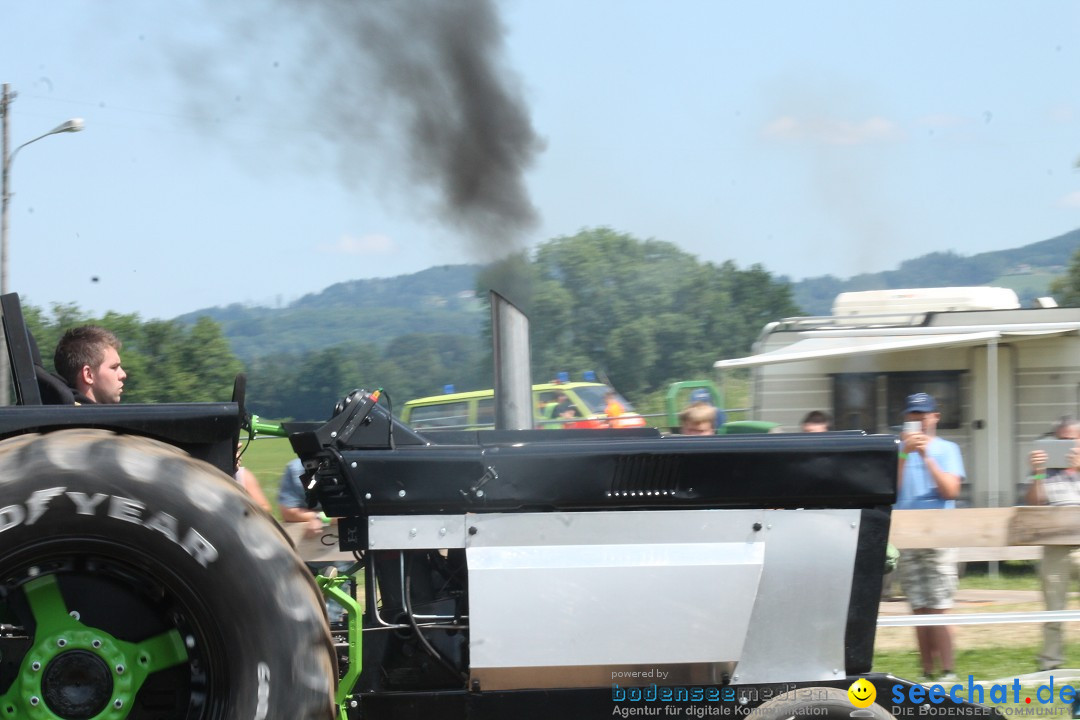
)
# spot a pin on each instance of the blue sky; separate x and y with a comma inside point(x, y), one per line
point(810, 137)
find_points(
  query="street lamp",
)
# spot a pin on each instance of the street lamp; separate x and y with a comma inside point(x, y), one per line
point(73, 125)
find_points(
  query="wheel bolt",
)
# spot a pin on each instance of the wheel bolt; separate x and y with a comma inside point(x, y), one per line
point(96, 644)
point(119, 669)
point(34, 700)
point(61, 642)
point(118, 703)
point(35, 666)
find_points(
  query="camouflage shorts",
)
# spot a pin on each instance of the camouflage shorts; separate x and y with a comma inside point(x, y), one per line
point(928, 577)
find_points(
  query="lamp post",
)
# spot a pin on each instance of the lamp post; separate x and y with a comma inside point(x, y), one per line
point(73, 125)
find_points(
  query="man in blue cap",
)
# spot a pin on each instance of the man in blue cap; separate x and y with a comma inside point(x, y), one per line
point(930, 473)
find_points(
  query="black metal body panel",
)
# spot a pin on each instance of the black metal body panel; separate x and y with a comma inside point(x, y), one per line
point(866, 582)
point(541, 471)
point(204, 430)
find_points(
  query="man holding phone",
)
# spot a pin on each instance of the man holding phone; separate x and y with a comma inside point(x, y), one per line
point(1056, 483)
point(930, 472)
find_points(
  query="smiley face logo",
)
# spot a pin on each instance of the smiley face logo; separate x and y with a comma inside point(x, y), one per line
point(862, 693)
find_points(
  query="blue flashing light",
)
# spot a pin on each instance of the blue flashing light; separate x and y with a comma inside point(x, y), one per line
point(448, 389)
point(563, 377)
point(589, 376)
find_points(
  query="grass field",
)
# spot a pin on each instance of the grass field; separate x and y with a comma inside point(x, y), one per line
point(992, 652)
point(267, 458)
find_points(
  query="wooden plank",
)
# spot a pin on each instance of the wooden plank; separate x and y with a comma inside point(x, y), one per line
point(1045, 525)
point(962, 527)
point(987, 533)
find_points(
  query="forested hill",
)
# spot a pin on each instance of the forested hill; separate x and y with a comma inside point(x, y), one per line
point(440, 299)
point(642, 313)
point(1028, 270)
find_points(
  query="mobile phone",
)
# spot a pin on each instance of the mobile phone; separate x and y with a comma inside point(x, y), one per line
point(1057, 451)
point(912, 426)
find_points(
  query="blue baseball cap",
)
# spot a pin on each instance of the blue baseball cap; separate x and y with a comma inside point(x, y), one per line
point(920, 402)
point(700, 395)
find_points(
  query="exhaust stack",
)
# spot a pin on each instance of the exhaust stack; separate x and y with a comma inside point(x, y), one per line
point(513, 371)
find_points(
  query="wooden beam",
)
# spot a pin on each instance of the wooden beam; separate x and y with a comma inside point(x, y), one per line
point(962, 527)
point(986, 527)
point(1045, 525)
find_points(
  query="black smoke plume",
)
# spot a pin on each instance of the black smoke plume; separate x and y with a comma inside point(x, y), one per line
point(413, 95)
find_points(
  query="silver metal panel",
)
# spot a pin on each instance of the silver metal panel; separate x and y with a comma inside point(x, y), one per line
point(797, 629)
point(617, 527)
point(601, 605)
point(565, 599)
point(416, 532)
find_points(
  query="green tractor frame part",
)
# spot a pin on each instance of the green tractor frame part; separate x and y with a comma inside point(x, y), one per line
point(259, 426)
point(331, 585)
point(678, 397)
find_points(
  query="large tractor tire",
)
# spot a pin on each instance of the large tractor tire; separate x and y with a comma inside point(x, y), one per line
point(136, 582)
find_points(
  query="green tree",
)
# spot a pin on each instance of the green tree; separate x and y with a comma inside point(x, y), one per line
point(1066, 289)
point(643, 312)
point(166, 361)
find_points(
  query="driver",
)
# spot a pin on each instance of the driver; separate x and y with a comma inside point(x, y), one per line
point(88, 358)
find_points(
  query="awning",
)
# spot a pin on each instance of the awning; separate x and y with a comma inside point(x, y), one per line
point(827, 347)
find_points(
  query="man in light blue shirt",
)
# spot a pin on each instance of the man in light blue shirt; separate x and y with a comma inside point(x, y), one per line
point(930, 471)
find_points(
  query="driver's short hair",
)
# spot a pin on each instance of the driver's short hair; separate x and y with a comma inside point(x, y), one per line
point(817, 417)
point(81, 346)
point(698, 413)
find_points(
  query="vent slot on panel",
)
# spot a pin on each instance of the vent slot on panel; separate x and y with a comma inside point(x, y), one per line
point(646, 476)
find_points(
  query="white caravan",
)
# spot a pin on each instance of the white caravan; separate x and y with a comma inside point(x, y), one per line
point(1002, 374)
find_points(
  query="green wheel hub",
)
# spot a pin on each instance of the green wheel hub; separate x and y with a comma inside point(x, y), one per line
point(75, 672)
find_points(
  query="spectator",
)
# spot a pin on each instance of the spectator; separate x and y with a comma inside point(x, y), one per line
point(698, 419)
point(931, 470)
point(1055, 486)
point(247, 480)
point(292, 504)
point(553, 409)
point(292, 501)
point(88, 358)
point(816, 421)
point(612, 407)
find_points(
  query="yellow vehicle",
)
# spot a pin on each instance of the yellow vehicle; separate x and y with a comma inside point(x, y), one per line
point(569, 405)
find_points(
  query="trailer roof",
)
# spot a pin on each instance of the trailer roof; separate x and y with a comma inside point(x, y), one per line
point(870, 341)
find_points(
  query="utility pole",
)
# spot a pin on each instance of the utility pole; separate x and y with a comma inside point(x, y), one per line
point(5, 199)
point(7, 155)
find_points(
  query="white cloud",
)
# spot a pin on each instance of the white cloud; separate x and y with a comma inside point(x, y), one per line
point(365, 245)
point(833, 131)
point(1072, 200)
point(1062, 115)
point(784, 127)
